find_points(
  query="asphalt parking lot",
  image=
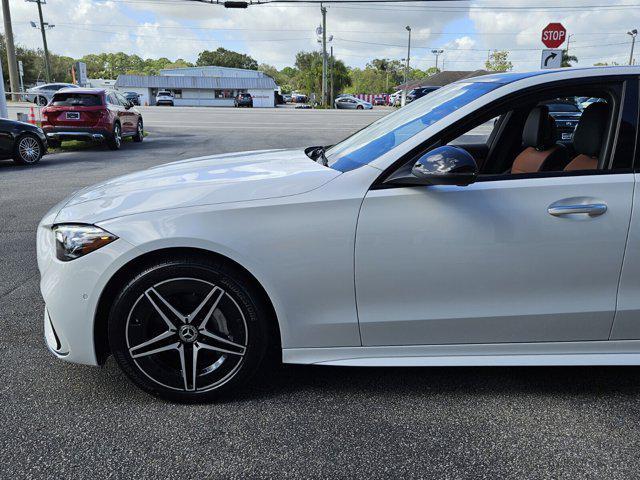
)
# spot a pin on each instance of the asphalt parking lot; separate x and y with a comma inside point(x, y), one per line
point(69, 421)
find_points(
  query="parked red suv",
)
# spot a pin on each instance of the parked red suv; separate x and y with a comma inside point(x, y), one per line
point(91, 114)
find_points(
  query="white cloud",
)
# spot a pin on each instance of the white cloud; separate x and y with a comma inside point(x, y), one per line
point(273, 34)
point(597, 34)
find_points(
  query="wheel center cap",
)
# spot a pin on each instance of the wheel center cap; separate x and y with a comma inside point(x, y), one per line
point(188, 333)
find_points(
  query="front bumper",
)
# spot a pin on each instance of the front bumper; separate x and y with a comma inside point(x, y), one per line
point(71, 291)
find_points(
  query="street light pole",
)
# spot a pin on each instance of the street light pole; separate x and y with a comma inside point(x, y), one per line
point(43, 26)
point(324, 54)
point(634, 34)
point(11, 50)
point(406, 69)
point(437, 53)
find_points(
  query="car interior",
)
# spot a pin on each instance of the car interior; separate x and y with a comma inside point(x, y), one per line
point(550, 133)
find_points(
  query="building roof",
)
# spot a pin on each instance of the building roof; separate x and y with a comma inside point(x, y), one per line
point(212, 71)
point(441, 79)
point(199, 82)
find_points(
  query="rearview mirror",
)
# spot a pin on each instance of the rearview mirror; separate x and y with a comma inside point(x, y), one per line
point(446, 165)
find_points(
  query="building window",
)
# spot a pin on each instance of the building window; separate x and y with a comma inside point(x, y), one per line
point(177, 93)
point(224, 94)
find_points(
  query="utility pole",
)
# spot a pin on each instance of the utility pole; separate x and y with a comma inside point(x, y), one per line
point(3, 99)
point(324, 54)
point(403, 101)
point(11, 50)
point(47, 66)
point(634, 34)
point(331, 89)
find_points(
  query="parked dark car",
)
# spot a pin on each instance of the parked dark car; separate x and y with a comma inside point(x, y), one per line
point(379, 101)
point(23, 142)
point(419, 93)
point(93, 115)
point(133, 97)
point(243, 100)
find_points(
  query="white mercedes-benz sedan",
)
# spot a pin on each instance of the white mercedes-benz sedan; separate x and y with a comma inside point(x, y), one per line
point(475, 226)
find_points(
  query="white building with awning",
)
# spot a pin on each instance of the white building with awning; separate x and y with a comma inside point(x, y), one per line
point(209, 86)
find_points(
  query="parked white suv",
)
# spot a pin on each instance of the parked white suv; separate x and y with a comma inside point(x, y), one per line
point(164, 98)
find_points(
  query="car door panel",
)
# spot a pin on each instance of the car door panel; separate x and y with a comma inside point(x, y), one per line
point(626, 325)
point(488, 263)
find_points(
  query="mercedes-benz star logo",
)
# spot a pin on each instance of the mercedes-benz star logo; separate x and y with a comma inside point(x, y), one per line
point(188, 333)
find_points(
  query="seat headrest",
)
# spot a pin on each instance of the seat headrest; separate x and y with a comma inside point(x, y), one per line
point(540, 129)
point(587, 139)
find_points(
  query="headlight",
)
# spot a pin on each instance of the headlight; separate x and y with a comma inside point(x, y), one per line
point(74, 241)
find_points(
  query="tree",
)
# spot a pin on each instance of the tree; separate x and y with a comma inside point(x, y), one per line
point(498, 61)
point(568, 59)
point(308, 77)
point(606, 64)
point(226, 58)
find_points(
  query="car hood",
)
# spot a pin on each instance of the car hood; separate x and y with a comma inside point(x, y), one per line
point(206, 180)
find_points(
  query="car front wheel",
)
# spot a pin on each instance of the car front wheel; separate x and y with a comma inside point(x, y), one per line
point(115, 141)
point(139, 136)
point(188, 329)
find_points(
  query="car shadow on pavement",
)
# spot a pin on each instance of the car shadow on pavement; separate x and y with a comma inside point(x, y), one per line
point(472, 380)
point(284, 381)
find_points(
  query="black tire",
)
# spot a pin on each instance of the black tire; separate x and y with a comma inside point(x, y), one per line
point(240, 310)
point(114, 142)
point(40, 100)
point(359, 107)
point(139, 136)
point(27, 149)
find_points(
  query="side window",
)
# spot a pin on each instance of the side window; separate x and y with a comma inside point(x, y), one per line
point(477, 135)
point(123, 101)
point(569, 129)
point(112, 99)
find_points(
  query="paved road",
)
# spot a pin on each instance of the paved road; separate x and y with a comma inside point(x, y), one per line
point(69, 421)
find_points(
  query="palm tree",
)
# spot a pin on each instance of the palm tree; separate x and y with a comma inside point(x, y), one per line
point(567, 59)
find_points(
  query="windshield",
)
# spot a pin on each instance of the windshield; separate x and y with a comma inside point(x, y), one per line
point(562, 107)
point(387, 133)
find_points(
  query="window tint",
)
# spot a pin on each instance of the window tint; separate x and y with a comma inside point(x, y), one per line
point(112, 99)
point(394, 129)
point(76, 100)
point(477, 135)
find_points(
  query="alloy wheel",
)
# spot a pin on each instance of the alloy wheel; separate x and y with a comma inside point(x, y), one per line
point(117, 137)
point(189, 352)
point(29, 149)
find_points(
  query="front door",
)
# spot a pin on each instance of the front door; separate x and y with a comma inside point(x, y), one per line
point(511, 258)
point(488, 263)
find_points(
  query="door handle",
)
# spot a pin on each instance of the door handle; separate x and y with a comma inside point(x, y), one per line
point(591, 209)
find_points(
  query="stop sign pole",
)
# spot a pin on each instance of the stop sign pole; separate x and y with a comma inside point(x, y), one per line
point(553, 36)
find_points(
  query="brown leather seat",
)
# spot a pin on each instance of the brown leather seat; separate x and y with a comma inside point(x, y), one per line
point(541, 154)
point(588, 137)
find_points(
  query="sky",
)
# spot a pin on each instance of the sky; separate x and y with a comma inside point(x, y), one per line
point(273, 33)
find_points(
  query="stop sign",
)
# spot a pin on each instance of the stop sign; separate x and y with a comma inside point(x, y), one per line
point(554, 35)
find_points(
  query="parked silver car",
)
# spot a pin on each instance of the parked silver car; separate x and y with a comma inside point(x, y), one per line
point(42, 94)
point(352, 103)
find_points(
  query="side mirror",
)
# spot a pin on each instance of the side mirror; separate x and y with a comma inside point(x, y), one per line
point(446, 165)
